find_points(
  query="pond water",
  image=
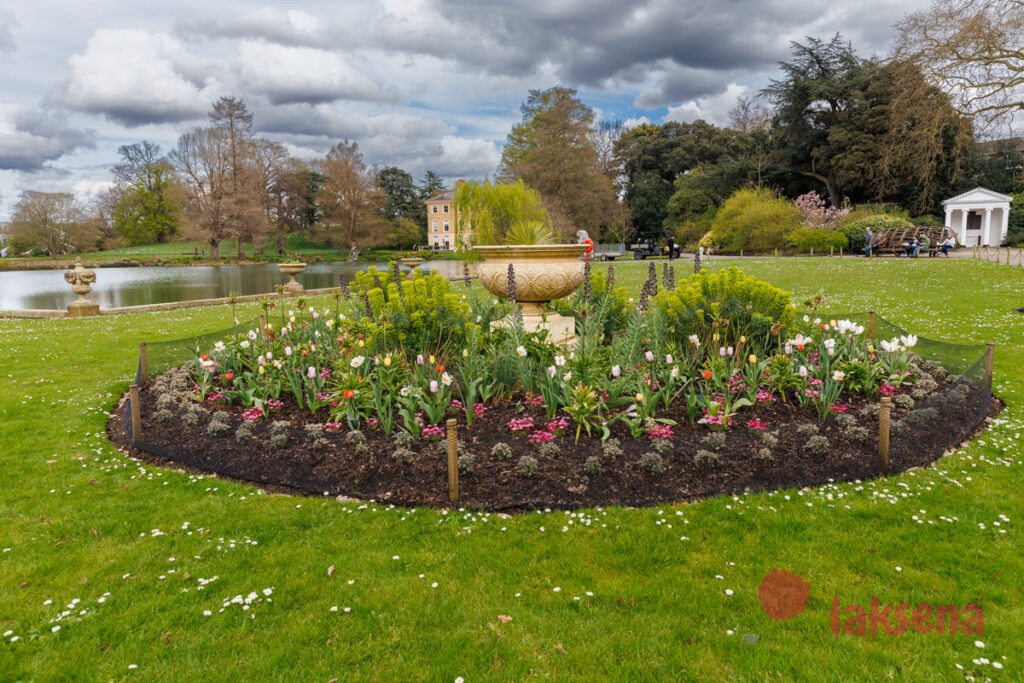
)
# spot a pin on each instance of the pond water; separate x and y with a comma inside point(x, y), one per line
point(117, 287)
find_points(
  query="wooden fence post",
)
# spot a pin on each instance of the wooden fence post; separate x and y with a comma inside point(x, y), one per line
point(871, 325)
point(136, 414)
point(143, 362)
point(453, 461)
point(883, 432)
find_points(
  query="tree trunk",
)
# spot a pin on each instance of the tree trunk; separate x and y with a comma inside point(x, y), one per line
point(241, 249)
point(830, 186)
point(214, 249)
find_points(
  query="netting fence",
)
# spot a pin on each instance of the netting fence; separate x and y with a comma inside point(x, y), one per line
point(951, 399)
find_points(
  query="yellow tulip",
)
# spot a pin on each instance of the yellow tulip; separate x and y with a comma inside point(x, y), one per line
point(752, 358)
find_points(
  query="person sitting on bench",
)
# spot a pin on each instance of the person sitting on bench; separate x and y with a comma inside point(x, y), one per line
point(947, 244)
point(923, 244)
point(910, 248)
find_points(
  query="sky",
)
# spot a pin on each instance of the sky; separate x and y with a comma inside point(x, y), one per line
point(418, 84)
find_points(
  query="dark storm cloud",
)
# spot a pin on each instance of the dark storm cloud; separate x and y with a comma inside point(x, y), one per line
point(30, 139)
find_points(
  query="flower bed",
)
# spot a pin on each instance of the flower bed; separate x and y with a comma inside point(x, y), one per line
point(668, 400)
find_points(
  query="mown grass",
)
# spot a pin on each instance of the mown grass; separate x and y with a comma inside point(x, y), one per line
point(641, 594)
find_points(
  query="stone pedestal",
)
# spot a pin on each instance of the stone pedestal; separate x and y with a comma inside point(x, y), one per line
point(541, 274)
point(81, 280)
point(293, 287)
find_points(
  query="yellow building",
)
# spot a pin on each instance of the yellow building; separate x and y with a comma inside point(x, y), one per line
point(441, 222)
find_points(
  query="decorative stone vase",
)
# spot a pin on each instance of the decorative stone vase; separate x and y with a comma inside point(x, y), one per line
point(81, 280)
point(542, 273)
point(293, 286)
point(410, 262)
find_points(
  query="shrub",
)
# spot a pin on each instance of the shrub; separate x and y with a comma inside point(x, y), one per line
point(422, 313)
point(219, 423)
point(770, 439)
point(652, 463)
point(803, 239)
point(548, 450)
point(611, 449)
point(715, 440)
point(245, 431)
point(663, 445)
point(807, 429)
point(764, 454)
point(527, 466)
point(592, 465)
point(817, 445)
point(404, 456)
point(501, 451)
point(922, 417)
point(705, 459)
point(163, 416)
point(403, 439)
point(753, 220)
point(467, 459)
point(703, 300)
point(903, 401)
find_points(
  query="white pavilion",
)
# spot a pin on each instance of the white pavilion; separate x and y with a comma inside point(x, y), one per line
point(979, 217)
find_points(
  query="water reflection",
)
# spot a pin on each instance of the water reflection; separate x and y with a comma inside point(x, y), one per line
point(117, 287)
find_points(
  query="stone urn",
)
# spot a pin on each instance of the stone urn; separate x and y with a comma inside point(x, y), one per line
point(293, 286)
point(81, 280)
point(542, 273)
point(410, 263)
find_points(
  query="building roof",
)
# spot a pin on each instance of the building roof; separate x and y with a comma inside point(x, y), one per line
point(446, 196)
point(978, 195)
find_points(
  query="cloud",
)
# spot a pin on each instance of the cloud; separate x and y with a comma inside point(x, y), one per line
point(7, 21)
point(711, 108)
point(29, 139)
point(135, 77)
point(287, 75)
point(291, 27)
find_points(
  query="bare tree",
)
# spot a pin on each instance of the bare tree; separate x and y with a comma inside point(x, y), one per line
point(52, 221)
point(749, 115)
point(350, 197)
point(973, 49)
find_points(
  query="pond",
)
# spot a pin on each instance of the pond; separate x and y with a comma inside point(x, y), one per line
point(118, 287)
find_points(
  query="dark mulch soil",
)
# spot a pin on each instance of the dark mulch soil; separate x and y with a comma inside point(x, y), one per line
point(334, 467)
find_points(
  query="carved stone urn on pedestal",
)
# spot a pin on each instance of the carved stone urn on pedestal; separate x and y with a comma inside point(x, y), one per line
point(81, 280)
point(293, 286)
point(542, 273)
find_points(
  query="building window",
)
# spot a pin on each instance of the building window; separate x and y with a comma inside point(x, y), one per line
point(434, 208)
point(446, 225)
point(435, 225)
point(445, 209)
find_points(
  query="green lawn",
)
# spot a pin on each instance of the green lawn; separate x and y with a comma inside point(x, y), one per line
point(143, 563)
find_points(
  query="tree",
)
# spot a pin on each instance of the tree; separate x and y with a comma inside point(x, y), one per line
point(653, 157)
point(147, 210)
point(432, 184)
point(226, 194)
point(812, 102)
point(52, 221)
point(552, 150)
point(972, 49)
point(403, 198)
point(350, 197)
point(489, 213)
point(247, 186)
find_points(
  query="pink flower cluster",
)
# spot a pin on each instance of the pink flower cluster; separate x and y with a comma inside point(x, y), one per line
point(479, 409)
point(558, 425)
point(274, 404)
point(212, 397)
point(714, 420)
point(432, 432)
point(541, 436)
point(534, 400)
point(757, 424)
point(886, 389)
point(457, 404)
point(659, 432)
point(764, 396)
point(520, 424)
point(333, 426)
point(252, 414)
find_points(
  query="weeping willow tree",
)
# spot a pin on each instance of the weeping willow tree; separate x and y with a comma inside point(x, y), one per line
point(500, 213)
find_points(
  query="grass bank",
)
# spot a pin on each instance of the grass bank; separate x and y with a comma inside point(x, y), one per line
point(110, 569)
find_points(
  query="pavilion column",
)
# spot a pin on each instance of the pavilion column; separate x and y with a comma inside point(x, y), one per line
point(1005, 227)
point(987, 228)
